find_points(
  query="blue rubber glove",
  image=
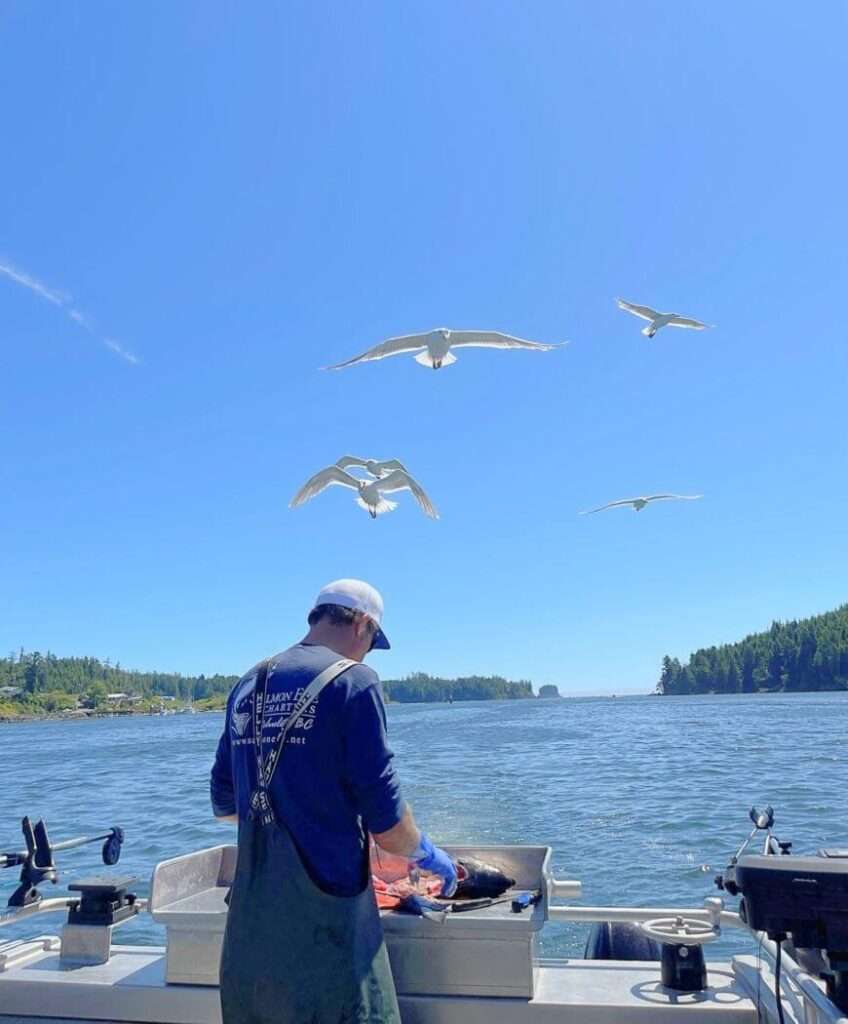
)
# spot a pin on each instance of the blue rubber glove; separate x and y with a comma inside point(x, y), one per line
point(430, 858)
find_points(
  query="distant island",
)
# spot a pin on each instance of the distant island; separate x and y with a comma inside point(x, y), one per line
point(791, 657)
point(35, 685)
point(548, 691)
point(424, 689)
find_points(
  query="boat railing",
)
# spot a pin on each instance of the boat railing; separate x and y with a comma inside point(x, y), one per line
point(49, 905)
point(638, 915)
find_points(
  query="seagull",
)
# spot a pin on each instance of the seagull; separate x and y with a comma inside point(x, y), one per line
point(639, 503)
point(370, 492)
point(658, 320)
point(434, 347)
point(375, 467)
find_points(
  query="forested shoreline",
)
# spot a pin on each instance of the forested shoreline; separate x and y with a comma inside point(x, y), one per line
point(420, 688)
point(36, 685)
point(790, 657)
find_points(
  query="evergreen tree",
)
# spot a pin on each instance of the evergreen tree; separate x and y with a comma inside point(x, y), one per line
point(52, 683)
point(792, 656)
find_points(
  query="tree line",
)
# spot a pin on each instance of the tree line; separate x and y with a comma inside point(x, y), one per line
point(47, 683)
point(422, 688)
point(805, 654)
point(43, 680)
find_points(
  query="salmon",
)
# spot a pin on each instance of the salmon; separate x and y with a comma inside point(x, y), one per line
point(399, 886)
point(479, 880)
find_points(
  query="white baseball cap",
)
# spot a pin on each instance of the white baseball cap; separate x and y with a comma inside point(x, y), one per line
point(361, 597)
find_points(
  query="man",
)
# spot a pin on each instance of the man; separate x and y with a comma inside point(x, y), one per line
point(303, 941)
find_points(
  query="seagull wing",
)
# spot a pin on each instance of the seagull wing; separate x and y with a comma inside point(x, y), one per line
point(400, 480)
point(387, 465)
point(383, 466)
point(325, 478)
point(643, 311)
point(673, 497)
point(685, 321)
point(346, 461)
point(611, 504)
point(493, 339)
point(391, 347)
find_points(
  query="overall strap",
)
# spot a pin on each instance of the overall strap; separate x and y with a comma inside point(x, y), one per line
point(259, 798)
point(260, 801)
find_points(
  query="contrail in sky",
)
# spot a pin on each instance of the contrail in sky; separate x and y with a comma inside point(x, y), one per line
point(19, 277)
point(65, 303)
point(113, 346)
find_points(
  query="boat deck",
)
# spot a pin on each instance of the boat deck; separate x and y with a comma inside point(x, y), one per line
point(131, 987)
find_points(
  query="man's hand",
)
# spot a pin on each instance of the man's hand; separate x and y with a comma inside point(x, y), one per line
point(406, 840)
point(433, 858)
point(231, 819)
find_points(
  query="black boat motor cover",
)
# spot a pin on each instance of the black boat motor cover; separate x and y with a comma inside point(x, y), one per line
point(798, 900)
point(805, 897)
point(619, 940)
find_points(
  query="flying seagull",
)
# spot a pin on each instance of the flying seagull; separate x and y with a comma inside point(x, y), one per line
point(434, 347)
point(658, 320)
point(639, 503)
point(369, 492)
point(376, 467)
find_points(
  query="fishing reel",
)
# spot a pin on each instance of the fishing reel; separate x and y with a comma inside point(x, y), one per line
point(37, 864)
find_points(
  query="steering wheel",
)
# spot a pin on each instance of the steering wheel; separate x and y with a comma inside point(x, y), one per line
point(679, 931)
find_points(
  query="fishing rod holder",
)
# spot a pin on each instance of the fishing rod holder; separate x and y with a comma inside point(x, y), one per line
point(762, 821)
point(37, 864)
point(103, 904)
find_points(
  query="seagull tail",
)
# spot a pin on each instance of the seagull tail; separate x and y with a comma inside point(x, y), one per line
point(384, 505)
point(425, 359)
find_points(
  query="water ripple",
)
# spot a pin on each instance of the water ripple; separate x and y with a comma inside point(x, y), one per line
point(637, 796)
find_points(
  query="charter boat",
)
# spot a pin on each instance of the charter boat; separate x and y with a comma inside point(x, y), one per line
point(641, 964)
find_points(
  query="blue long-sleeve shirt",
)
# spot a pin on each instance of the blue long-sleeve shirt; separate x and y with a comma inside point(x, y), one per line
point(335, 780)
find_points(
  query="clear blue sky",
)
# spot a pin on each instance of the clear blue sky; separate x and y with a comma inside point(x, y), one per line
point(203, 203)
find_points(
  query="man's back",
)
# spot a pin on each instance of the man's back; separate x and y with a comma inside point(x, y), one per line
point(335, 769)
point(293, 950)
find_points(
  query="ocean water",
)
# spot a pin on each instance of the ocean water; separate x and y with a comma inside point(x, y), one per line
point(641, 798)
